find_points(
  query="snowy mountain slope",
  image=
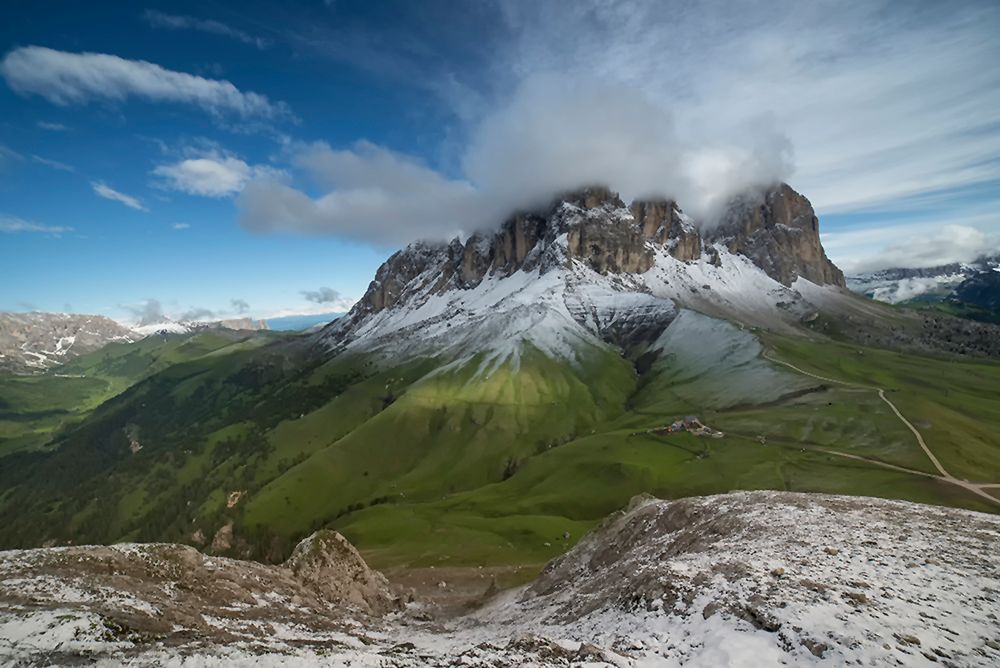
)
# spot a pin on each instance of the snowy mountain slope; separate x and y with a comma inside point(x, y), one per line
point(704, 362)
point(741, 579)
point(772, 578)
point(589, 271)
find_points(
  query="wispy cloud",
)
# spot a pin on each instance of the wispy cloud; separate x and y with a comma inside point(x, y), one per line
point(174, 22)
point(323, 295)
point(9, 155)
point(146, 312)
point(181, 226)
point(239, 305)
point(552, 134)
point(197, 313)
point(11, 225)
point(54, 164)
point(212, 174)
point(862, 105)
point(53, 127)
point(107, 192)
point(931, 246)
point(65, 78)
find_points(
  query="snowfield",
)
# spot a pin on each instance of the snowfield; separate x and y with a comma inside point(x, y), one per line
point(741, 579)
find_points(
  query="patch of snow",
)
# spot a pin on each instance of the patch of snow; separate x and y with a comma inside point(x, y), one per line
point(162, 328)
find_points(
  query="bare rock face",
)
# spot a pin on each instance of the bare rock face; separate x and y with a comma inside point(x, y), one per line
point(248, 324)
point(223, 539)
point(778, 230)
point(663, 223)
point(608, 248)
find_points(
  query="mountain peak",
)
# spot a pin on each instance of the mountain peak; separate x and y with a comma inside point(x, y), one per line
point(776, 228)
point(589, 268)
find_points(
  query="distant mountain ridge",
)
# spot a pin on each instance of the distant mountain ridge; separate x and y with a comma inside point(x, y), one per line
point(36, 341)
point(967, 289)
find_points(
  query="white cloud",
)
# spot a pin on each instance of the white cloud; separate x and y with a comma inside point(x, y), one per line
point(105, 191)
point(553, 135)
point(11, 225)
point(174, 22)
point(323, 295)
point(54, 164)
point(181, 226)
point(53, 127)
point(925, 245)
point(371, 194)
point(65, 78)
point(212, 174)
point(879, 101)
point(859, 104)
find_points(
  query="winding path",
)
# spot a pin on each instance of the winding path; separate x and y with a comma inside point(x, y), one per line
point(975, 488)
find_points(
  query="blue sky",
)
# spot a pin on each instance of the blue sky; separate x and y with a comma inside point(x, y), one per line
point(238, 157)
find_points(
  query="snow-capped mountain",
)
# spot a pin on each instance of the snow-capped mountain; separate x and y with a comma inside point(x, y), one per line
point(168, 326)
point(37, 341)
point(591, 271)
point(901, 284)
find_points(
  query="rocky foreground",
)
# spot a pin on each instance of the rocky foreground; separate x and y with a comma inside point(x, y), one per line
point(742, 579)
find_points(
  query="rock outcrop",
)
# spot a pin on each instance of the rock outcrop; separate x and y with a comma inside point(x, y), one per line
point(664, 223)
point(779, 231)
point(167, 596)
point(330, 566)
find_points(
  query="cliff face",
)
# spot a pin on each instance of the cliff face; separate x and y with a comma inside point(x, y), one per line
point(779, 231)
point(776, 229)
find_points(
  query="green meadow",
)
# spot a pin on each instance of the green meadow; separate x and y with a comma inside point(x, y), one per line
point(466, 463)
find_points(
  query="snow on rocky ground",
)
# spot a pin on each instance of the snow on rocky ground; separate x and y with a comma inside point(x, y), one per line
point(161, 328)
point(718, 364)
point(559, 312)
point(735, 289)
point(741, 579)
point(563, 309)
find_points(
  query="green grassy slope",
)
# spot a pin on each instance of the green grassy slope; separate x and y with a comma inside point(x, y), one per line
point(34, 408)
point(423, 463)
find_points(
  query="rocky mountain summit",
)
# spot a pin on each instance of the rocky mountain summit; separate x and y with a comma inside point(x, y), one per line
point(779, 231)
point(590, 271)
point(38, 341)
point(740, 579)
point(775, 228)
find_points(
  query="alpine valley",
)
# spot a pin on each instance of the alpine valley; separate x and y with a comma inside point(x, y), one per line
point(489, 401)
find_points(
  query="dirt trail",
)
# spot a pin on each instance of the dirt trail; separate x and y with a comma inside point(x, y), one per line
point(976, 488)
